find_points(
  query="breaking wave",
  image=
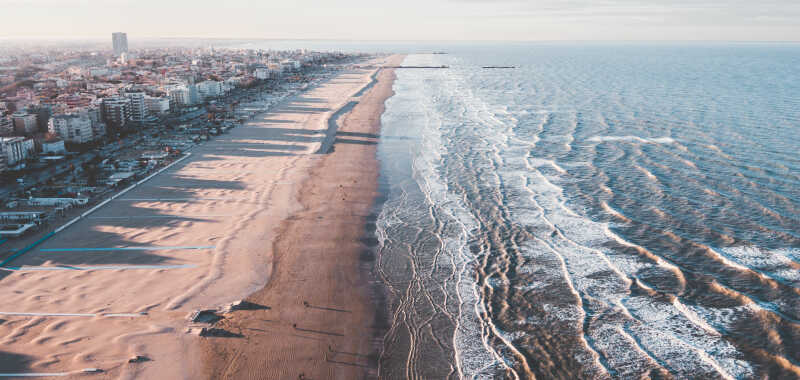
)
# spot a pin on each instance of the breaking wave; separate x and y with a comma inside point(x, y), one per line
point(536, 227)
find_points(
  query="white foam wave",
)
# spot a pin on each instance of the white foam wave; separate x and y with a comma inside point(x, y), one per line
point(778, 264)
point(646, 172)
point(641, 332)
point(539, 162)
point(633, 139)
point(668, 332)
point(665, 333)
point(473, 356)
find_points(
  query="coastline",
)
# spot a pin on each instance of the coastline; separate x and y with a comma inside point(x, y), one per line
point(196, 236)
point(318, 315)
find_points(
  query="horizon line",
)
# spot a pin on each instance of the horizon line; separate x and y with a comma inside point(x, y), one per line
point(100, 38)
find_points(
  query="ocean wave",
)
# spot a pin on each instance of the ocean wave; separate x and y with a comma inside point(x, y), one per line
point(414, 204)
point(666, 334)
point(633, 139)
point(583, 244)
point(778, 264)
point(594, 262)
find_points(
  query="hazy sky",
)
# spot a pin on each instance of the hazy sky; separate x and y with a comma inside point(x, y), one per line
point(771, 20)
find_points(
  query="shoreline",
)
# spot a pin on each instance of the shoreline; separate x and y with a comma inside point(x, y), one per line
point(319, 313)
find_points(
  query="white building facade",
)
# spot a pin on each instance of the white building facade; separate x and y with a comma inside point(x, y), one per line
point(15, 150)
point(210, 89)
point(157, 106)
point(72, 128)
point(262, 73)
point(179, 97)
point(138, 108)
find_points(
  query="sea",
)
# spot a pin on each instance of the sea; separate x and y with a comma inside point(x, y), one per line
point(600, 210)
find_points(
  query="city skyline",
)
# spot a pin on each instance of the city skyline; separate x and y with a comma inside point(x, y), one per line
point(731, 20)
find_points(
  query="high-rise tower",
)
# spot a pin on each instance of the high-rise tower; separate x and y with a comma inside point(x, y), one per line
point(120, 41)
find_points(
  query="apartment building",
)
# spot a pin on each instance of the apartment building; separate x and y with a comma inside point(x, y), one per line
point(24, 123)
point(15, 150)
point(72, 128)
point(116, 112)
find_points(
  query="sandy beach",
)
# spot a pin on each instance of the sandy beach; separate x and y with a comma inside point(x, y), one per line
point(274, 212)
point(321, 317)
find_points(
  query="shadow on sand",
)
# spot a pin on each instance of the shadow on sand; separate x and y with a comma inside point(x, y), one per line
point(14, 363)
point(249, 142)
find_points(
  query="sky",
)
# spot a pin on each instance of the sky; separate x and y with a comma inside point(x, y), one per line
point(408, 20)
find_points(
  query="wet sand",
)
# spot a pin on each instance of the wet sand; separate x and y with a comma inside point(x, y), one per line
point(318, 319)
point(256, 210)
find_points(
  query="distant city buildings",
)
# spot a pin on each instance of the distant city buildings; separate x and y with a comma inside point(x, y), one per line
point(116, 113)
point(99, 71)
point(157, 105)
point(3, 164)
point(93, 114)
point(179, 97)
point(120, 42)
point(53, 146)
point(262, 73)
point(73, 128)
point(43, 113)
point(292, 65)
point(51, 99)
point(194, 94)
point(138, 109)
point(210, 89)
point(6, 126)
point(15, 150)
point(24, 123)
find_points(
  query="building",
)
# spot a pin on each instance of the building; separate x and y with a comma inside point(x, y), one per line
point(138, 109)
point(262, 73)
point(120, 42)
point(290, 65)
point(99, 130)
point(72, 128)
point(233, 82)
point(99, 71)
point(98, 127)
point(53, 146)
point(93, 113)
point(157, 106)
point(210, 89)
point(6, 126)
point(25, 123)
point(179, 97)
point(15, 150)
point(3, 159)
point(43, 113)
point(194, 94)
point(116, 113)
